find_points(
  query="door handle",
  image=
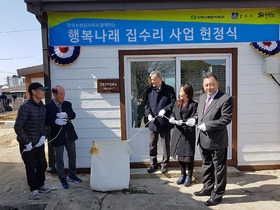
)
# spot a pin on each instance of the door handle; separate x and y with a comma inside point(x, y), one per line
point(228, 90)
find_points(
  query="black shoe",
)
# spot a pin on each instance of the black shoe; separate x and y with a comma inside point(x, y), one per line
point(181, 180)
point(202, 193)
point(212, 202)
point(64, 183)
point(152, 169)
point(163, 169)
point(188, 181)
point(74, 179)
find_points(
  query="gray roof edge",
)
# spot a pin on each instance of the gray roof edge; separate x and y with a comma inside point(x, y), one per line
point(38, 6)
point(30, 70)
point(16, 89)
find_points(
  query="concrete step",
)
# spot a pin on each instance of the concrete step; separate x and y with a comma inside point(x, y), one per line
point(175, 172)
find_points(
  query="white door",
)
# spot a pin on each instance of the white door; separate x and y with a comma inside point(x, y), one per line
point(193, 68)
point(137, 70)
point(176, 70)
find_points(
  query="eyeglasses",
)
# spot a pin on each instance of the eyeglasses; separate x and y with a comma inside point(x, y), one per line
point(209, 85)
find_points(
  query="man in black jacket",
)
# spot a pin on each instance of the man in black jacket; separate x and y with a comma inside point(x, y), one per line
point(160, 99)
point(62, 134)
point(31, 134)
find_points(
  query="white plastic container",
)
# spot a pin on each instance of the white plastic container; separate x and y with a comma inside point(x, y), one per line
point(110, 167)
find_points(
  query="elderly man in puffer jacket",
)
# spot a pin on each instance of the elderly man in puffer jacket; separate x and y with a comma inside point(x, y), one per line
point(31, 134)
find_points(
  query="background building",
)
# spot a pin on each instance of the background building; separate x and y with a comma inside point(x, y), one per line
point(13, 81)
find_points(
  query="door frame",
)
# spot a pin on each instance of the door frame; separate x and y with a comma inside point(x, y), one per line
point(154, 52)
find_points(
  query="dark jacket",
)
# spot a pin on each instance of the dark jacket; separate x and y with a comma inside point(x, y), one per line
point(30, 122)
point(216, 118)
point(155, 102)
point(52, 110)
point(183, 137)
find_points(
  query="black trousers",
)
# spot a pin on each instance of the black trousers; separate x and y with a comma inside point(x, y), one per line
point(165, 141)
point(35, 166)
point(183, 167)
point(214, 169)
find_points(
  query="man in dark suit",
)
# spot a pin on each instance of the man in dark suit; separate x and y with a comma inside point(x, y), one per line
point(160, 99)
point(62, 134)
point(214, 113)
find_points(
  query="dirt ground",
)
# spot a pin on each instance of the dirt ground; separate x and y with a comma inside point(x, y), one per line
point(250, 190)
point(8, 116)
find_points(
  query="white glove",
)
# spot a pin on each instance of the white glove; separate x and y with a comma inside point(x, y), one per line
point(161, 113)
point(202, 127)
point(28, 147)
point(60, 121)
point(172, 120)
point(190, 122)
point(41, 141)
point(179, 122)
point(62, 115)
point(150, 118)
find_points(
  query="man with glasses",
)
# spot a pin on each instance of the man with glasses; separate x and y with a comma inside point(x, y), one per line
point(214, 113)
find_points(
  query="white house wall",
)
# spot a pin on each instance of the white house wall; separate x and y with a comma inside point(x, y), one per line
point(98, 115)
point(258, 111)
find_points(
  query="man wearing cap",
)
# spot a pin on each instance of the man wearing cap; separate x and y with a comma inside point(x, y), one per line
point(31, 134)
point(62, 133)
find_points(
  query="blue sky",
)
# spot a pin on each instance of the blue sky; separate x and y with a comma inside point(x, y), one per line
point(20, 38)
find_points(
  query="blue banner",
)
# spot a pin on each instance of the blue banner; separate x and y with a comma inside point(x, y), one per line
point(67, 31)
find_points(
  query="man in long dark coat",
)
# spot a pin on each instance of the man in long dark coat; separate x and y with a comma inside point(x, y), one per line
point(160, 99)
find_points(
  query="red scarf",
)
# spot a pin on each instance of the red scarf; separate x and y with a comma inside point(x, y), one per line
point(184, 103)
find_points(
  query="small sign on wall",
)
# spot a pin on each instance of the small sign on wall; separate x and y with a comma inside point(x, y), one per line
point(108, 86)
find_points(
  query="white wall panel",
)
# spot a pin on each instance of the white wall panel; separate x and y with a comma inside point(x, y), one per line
point(91, 62)
point(100, 113)
point(98, 123)
point(257, 138)
point(96, 104)
point(250, 69)
point(93, 133)
point(259, 109)
point(76, 83)
point(90, 93)
point(245, 49)
point(86, 73)
point(84, 162)
point(258, 79)
point(259, 157)
point(250, 99)
point(88, 142)
point(260, 147)
point(261, 118)
point(258, 89)
point(259, 162)
point(250, 59)
point(99, 51)
point(258, 128)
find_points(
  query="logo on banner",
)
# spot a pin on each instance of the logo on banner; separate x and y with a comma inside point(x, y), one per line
point(234, 16)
